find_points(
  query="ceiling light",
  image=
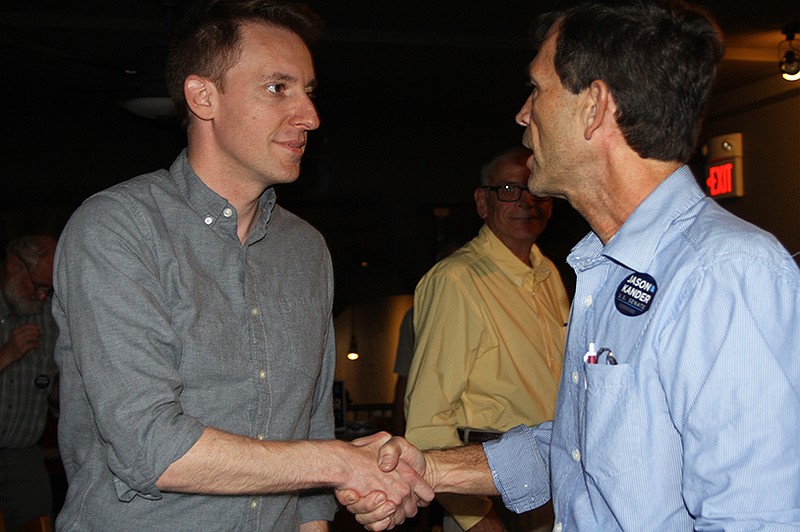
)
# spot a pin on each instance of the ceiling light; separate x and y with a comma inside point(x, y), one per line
point(790, 66)
point(789, 63)
point(146, 90)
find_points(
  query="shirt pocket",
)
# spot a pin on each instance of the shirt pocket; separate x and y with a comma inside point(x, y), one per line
point(305, 325)
point(613, 421)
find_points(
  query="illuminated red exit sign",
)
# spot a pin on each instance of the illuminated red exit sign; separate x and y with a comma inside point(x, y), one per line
point(720, 178)
point(724, 176)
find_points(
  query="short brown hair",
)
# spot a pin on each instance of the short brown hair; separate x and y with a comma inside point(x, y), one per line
point(208, 41)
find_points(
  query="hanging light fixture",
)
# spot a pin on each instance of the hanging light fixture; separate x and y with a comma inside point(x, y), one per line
point(352, 353)
point(146, 91)
point(790, 66)
point(789, 63)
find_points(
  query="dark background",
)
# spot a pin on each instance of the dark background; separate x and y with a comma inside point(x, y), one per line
point(413, 98)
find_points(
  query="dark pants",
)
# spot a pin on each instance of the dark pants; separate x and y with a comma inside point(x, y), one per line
point(540, 518)
point(25, 492)
point(537, 520)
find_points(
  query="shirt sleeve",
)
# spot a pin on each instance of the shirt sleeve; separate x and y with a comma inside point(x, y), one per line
point(405, 344)
point(734, 387)
point(321, 505)
point(520, 466)
point(123, 346)
point(448, 339)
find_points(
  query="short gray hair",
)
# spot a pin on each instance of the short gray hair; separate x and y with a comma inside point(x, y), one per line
point(516, 154)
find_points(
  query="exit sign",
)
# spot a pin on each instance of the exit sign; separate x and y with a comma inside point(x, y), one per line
point(720, 178)
point(724, 176)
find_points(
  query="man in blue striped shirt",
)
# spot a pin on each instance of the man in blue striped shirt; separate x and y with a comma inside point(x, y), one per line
point(679, 403)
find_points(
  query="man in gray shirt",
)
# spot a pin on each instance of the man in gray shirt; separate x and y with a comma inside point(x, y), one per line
point(197, 349)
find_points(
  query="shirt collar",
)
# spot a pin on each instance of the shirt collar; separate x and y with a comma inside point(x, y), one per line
point(210, 206)
point(509, 264)
point(636, 242)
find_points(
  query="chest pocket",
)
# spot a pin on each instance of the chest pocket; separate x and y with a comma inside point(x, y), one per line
point(613, 421)
point(304, 326)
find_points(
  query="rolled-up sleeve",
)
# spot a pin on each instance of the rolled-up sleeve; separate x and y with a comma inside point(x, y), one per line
point(320, 505)
point(121, 344)
point(520, 466)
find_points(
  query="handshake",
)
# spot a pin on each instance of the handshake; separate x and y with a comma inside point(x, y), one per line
point(403, 482)
point(400, 478)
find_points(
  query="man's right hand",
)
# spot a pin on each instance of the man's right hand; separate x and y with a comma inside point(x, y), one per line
point(374, 510)
point(22, 340)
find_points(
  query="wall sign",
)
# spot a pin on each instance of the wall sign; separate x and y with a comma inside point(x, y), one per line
point(724, 168)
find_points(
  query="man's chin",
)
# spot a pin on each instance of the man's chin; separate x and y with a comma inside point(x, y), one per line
point(288, 173)
point(536, 189)
point(538, 186)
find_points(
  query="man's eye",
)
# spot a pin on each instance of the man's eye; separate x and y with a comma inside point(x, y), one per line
point(510, 188)
point(531, 86)
point(276, 88)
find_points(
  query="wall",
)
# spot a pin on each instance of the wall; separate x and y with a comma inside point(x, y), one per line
point(371, 378)
point(767, 113)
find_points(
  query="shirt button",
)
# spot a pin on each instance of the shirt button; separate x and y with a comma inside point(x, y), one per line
point(262, 374)
point(558, 528)
point(575, 377)
point(254, 311)
point(254, 504)
point(576, 455)
point(587, 301)
point(209, 220)
point(260, 437)
point(228, 212)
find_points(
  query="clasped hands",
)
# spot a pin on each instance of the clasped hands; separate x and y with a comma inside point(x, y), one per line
point(383, 505)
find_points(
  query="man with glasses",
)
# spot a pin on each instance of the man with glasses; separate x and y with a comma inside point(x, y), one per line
point(27, 375)
point(490, 324)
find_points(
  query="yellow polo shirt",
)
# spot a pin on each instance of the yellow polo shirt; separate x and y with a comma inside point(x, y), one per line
point(488, 349)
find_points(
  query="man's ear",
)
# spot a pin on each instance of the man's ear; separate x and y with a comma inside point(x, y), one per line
point(597, 109)
point(480, 202)
point(201, 96)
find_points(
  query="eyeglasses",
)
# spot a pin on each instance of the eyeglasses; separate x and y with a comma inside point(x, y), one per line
point(509, 193)
point(42, 290)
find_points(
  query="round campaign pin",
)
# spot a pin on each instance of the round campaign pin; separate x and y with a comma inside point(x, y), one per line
point(41, 381)
point(635, 294)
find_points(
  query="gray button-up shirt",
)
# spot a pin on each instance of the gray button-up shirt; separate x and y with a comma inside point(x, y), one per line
point(169, 324)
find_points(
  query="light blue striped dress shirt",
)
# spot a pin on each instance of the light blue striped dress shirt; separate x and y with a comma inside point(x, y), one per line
point(697, 426)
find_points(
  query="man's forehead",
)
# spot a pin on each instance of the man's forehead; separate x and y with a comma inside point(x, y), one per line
point(511, 173)
point(274, 42)
point(545, 55)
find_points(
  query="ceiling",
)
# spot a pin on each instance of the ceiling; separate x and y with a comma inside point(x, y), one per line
point(413, 96)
